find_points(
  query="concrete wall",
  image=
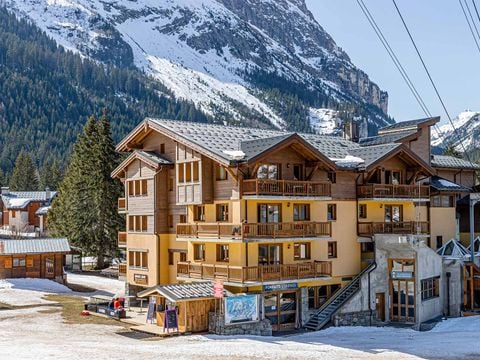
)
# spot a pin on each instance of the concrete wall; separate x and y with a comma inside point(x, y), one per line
point(455, 267)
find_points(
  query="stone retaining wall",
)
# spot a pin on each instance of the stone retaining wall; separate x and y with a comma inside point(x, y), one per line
point(360, 318)
point(216, 325)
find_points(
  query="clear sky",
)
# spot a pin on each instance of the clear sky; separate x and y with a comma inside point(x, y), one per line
point(442, 35)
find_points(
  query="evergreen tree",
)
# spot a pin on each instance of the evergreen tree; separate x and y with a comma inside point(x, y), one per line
point(24, 176)
point(2, 179)
point(51, 175)
point(451, 151)
point(86, 211)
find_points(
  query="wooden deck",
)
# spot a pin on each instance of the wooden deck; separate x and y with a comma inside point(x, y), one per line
point(271, 187)
point(389, 191)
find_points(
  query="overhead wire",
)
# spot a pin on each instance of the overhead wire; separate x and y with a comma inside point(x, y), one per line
point(469, 25)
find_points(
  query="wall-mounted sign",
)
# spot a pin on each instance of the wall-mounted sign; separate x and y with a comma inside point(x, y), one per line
point(279, 287)
point(399, 275)
point(240, 309)
point(218, 289)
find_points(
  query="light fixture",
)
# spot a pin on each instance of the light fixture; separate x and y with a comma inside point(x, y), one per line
point(288, 204)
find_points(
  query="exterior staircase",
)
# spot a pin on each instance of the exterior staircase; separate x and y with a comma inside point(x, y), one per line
point(324, 315)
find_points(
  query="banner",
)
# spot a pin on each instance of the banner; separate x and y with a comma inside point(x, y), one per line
point(240, 309)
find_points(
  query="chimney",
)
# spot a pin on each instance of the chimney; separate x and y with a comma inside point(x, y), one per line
point(47, 194)
point(5, 190)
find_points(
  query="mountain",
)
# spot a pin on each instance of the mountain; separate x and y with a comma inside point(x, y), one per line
point(465, 138)
point(266, 63)
point(47, 93)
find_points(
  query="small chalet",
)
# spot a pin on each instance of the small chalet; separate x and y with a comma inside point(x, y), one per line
point(33, 258)
point(25, 211)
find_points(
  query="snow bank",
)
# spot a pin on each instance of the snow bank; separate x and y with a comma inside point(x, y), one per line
point(462, 324)
point(21, 292)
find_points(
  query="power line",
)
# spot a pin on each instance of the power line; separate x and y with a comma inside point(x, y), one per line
point(393, 56)
point(476, 10)
point(468, 22)
point(433, 83)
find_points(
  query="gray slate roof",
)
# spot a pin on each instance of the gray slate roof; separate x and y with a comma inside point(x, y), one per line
point(20, 199)
point(386, 138)
point(176, 292)
point(153, 157)
point(370, 154)
point(406, 124)
point(444, 161)
point(442, 184)
point(33, 246)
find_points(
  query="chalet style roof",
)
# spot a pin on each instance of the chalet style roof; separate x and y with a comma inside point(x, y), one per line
point(445, 161)
point(409, 125)
point(442, 184)
point(43, 210)
point(20, 199)
point(33, 246)
point(180, 292)
point(148, 157)
point(387, 138)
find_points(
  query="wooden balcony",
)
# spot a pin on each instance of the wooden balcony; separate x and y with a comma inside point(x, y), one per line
point(122, 205)
point(389, 191)
point(400, 228)
point(261, 187)
point(227, 231)
point(255, 274)
point(122, 239)
point(122, 269)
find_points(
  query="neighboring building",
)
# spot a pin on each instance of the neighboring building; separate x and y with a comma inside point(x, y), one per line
point(292, 217)
point(33, 258)
point(25, 211)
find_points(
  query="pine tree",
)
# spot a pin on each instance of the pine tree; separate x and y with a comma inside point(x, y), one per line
point(51, 175)
point(452, 151)
point(2, 179)
point(25, 175)
point(85, 211)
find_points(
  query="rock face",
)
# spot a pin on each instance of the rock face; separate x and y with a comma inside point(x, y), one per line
point(239, 60)
point(465, 138)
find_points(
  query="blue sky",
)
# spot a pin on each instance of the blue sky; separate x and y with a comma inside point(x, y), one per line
point(442, 35)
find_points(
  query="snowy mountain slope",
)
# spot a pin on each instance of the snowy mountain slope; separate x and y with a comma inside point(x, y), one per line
point(467, 135)
point(222, 55)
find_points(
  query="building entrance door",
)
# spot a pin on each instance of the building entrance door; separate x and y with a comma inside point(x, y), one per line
point(403, 300)
point(380, 306)
point(281, 309)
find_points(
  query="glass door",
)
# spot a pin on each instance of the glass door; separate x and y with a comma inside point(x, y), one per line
point(281, 309)
point(269, 254)
point(269, 215)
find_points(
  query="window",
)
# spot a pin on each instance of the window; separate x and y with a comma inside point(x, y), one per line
point(183, 256)
point(50, 266)
point(222, 252)
point(430, 288)
point(366, 247)
point(14, 214)
point(442, 201)
point(180, 173)
point(183, 219)
point(170, 184)
point(269, 213)
point(269, 254)
point(220, 173)
point(222, 212)
point(332, 176)
point(301, 212)
point(137, 188)
point(199, 213)
point(268, 171)
point(195, 171)
point(301, 251)
point(362, 211)
point(171, 257)
point(393, 213)
point(298, 172)
point(188, 172)
point(332, 212)
point(170, 221)
point(138, 259)
point(439, 241)
point(332, 249)
point(318, 295)
point(199, 252)
point(138, 223)
point(162, 148)
point(393, 177)
point(18, 262)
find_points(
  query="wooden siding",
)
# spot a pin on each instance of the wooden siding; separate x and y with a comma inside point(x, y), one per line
point(344, 187)
point(34, 266)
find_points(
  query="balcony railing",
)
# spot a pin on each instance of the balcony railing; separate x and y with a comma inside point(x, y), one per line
point(226, 231)
point(122, 269)
point(252, 274)
point(285, 188)
point(405, 227)
point(390, 191)
point(122, 239)
point(122, 204)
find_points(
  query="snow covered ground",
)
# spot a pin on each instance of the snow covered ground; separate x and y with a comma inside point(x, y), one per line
point(33, 333)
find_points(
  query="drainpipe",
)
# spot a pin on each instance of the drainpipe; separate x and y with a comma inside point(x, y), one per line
point(449, 274)
point(369, 283)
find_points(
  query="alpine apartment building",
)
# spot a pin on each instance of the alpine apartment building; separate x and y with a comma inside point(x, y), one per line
point(293, 217)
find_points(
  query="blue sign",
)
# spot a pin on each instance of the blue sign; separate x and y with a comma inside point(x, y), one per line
point(240, 309)
point(279, 287)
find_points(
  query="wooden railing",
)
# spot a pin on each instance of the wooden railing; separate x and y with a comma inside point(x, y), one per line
point(261, 273)
point(122, 204)
point(393, 191)
point(404, 227)
point(285, 187)
point(122, 239)
point(298, 229)
point(122, 269)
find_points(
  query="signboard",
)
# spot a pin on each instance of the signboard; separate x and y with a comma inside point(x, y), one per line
point(171, 320)
point(241, 309)
point(277, 287)
point(218, 289)
point(150, 312)
point(400, 275)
